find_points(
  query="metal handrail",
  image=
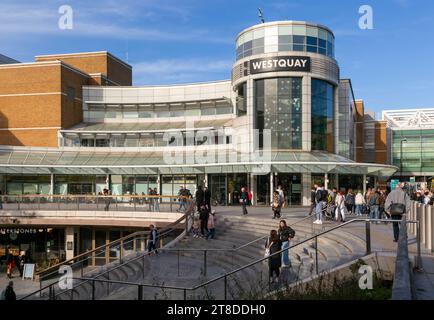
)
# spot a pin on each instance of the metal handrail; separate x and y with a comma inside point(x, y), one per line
point(276, 253)
point(367, 220)
point(185, 216)
point(108, 245)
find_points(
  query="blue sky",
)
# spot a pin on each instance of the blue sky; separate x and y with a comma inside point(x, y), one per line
point(180, 41)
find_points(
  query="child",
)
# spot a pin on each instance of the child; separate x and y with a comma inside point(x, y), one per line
point(195, 228)
point(211, 226)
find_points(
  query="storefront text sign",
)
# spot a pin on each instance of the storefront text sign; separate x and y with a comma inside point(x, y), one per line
point(281, 63)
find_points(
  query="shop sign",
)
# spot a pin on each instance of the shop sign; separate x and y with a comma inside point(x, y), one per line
point(280, 63)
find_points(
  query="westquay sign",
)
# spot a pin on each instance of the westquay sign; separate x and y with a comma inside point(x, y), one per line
point(280, 63)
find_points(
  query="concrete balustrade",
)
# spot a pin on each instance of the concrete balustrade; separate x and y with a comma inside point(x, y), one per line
point(424, 214)
point(429, 227)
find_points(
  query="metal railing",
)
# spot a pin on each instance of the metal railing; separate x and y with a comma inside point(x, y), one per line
point(227, 275)
point(115, 251)
point(56, 202)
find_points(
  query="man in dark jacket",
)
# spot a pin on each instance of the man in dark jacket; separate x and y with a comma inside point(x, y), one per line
point(203, 216)
point(244, 200)
point(152, 239)
point(312, 199)
point(199, 197)
point(9, 294)
point(207, 198)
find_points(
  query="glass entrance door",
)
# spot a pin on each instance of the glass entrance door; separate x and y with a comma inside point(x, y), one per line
point(291, 185)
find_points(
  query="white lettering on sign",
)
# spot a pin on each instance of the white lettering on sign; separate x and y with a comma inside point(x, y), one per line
point(280, 64)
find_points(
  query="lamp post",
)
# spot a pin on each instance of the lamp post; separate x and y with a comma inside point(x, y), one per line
point(400, 158)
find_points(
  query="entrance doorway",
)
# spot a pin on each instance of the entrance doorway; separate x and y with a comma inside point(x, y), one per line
point(291, 185)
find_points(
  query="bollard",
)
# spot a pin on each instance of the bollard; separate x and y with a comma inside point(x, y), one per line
point(428, 227)
point(368, 237)
point(421, 215)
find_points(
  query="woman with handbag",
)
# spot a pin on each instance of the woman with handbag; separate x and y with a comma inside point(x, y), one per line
point(273, 245)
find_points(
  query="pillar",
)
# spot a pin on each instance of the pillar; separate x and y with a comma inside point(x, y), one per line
point(326, 181)
point(337, 181)
point(107, 181)
point(206, 180)
point(306, 133)
point(306, 185)
point(254, 188)
point(271, 186)
point(364, 184)
point(159, 184)
point(51, 184)
point(69, 242)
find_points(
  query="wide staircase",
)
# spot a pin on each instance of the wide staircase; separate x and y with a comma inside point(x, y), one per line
point(240, 241)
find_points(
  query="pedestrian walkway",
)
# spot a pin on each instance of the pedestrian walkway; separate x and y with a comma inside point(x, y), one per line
point(21, 287)
point(423, 281)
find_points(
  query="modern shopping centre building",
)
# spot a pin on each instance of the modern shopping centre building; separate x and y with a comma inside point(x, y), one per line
point(74, 124)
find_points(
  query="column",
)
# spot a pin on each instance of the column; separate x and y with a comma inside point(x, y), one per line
point(254, 188)
point(326, 181)
point(69, 242)
point(206, 180)
point(159, 184)
point(336, 120)
point(337, 181)
point(364, 184)
point(51, 184)
point(271, 186)
point(306, 186)
point(306, 133)
point(107, 181)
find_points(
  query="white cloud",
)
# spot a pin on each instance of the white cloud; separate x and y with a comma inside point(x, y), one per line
point(180, 70)
point(132, 20)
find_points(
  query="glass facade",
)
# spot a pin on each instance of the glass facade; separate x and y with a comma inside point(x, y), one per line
point(417, 152)
point(134, 140)
point(322, 110)
point(301, 38)
point(242, 100)
point(278, 108)
point(100, 113)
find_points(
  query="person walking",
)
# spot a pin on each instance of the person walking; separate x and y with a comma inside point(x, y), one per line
point(350, 201)
point(276, 205)
point(203, 216)
point(320, 200)
point(359, 202)
point(10, 262)
point(156, 200)
point(281, 194)
point(152, 239)
point(207, 198)
point(340, 207)
point(373, 202)
point(9, 293)
point(107, 199)
point(211, 225)
point(274, 245)
point(381, 203)
point(199, 198)
point(182, 199)
point(312, 199)
point(244, 199)
point(21, 262)
point(286, 233)
point(397, 205)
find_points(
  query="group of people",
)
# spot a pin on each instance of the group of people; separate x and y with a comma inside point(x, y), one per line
point(423, 196)
point(13, 261)
point(340, 204)
point(204, 221)
point(277, 241)
point(376, 203)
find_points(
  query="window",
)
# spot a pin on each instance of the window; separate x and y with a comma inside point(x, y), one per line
point(278, 108)
point(322, 115)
